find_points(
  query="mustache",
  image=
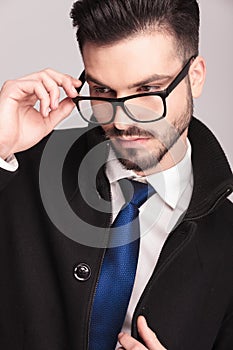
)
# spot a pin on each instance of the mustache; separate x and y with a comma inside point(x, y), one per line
point(132, 131)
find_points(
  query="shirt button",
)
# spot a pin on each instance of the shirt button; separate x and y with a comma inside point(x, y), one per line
point(82, 272)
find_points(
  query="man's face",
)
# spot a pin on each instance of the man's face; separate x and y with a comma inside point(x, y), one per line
point(144, 63)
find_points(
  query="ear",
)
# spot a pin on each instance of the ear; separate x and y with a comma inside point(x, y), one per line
point(197, 75)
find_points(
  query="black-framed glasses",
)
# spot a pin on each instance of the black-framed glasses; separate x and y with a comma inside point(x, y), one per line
point(142, 108)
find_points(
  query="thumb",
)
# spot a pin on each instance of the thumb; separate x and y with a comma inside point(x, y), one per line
point(63, 111)
point(148, 335)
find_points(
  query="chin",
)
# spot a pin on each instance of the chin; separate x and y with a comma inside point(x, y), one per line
point(134, 159)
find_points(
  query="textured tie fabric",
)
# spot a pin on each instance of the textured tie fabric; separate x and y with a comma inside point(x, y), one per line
point(117, 273)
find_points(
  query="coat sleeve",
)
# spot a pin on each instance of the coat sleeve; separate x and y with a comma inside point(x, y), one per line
point(6, 177)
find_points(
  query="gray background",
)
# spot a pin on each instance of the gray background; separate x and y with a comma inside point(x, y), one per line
point(39, 34)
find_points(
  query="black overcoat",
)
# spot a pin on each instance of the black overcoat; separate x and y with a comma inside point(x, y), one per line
point(48, 278)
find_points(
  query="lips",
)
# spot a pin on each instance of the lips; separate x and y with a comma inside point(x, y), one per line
point(131, 141)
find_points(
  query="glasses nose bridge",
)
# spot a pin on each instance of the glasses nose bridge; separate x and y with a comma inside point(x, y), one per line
point(120, 105)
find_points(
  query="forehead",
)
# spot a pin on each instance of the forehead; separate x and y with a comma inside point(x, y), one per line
point(131, 59)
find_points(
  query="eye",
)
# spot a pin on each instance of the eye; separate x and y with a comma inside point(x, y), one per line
point(100, 91)
point(148, 88)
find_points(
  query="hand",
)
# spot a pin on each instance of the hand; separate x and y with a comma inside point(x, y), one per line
point(148, 336)
point(21, 125)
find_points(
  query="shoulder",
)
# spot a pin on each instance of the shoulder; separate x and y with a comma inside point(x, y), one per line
point(224, 214)
point(58, 142)
point(215, 232)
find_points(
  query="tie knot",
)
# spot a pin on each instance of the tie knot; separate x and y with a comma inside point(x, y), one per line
point(138, 192)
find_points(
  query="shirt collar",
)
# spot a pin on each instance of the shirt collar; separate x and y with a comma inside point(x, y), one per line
point(169, 184)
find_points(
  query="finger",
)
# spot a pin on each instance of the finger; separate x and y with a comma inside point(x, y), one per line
point(148, 336)
point(16, 91)
point(129, 343)
point(32, 87)
point(66, 81)
point(52, 88)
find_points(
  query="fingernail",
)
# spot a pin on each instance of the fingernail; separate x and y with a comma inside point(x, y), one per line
point(143, 319)
point(47, 112)
point(56, 103)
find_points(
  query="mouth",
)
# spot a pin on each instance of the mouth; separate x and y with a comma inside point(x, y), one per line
point(131, 141)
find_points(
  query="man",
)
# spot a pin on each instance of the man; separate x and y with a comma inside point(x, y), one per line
point(143, 70)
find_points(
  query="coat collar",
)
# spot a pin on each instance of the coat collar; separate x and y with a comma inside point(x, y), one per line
point(213, 179)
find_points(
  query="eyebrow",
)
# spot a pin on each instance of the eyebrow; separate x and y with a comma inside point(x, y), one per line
point(88, 77)
point(154, 77)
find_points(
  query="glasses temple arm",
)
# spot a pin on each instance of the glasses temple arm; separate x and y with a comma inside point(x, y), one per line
point(180, 76)
point(82, 78)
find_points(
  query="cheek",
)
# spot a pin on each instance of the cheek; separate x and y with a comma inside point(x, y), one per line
point(177, 104)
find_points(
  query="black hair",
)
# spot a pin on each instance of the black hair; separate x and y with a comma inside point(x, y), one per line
point(105, 22)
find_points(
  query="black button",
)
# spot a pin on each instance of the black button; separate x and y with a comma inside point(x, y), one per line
point(82, 272)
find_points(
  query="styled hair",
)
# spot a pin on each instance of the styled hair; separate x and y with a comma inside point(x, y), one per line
point(105, 22)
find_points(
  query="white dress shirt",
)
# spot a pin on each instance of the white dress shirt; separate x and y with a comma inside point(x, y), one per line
point(10, 164)
point(158, 215)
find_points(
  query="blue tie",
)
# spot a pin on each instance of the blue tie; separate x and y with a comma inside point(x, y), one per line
point(117, 273)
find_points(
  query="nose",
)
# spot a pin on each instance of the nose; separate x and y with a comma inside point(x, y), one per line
point(122, 121)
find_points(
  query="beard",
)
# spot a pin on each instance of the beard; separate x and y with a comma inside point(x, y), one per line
point(160, 140)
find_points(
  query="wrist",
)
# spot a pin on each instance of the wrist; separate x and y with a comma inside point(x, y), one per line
point(5, 152)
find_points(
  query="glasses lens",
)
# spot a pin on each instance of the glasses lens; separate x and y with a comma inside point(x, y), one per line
point(96, 111)
point(145, 108)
